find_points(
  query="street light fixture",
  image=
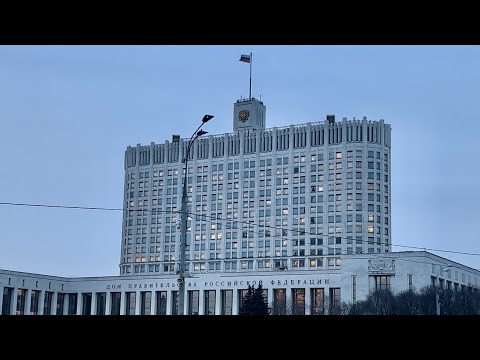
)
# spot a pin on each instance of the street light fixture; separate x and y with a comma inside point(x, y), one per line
point(437, 296)
point(207, 118)
point(183, 218)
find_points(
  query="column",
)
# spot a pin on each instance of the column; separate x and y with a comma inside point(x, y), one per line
point(185, 302)
point(79, 304)
point(270, 299)
point(41, 300)
point(28, 301)
point(169, 302)
point(122, 303)
point(167, 151)
point(291, 134)
point(364, 131)
point(153, 304)
point(65, 303)
point(137, 302)
point(53, 305)
point(308, 304)
point(201, 302)
point(108, 300)
point(371, 284)
point(181, 150)
point(1, 299)
point(382, 133)
point(241, 134)
point(93, 309)
point(288, 301)
point(235, 302)
point(326, 131)
point(13, 305)
point(210, 147)
point(274, 145)
point(218, 300)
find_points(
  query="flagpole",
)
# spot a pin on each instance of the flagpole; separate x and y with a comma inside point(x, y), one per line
point(251, 60)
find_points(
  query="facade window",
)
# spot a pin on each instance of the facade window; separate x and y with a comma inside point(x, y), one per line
point(47, 303)
point(241, 296)
point(130, 298)
point(334, 263)
point(101, 303)
point(317, 302)
point(161, 305)
point(382, 282)
point(227, 302)
point(34, 302)
point(7, 297)
point(335, 304)
point(145, 303)
point(21, 300)
point(60, 303)
point(298, 301)
point(115, 303)
point(86, 303)
point(209, 302)
point(193, 302)
point(279, 302)
point(72, 304)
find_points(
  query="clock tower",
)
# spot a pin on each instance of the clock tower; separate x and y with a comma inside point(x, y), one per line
point(249, 114)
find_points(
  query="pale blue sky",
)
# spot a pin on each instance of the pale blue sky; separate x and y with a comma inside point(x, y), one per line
point(67, 114)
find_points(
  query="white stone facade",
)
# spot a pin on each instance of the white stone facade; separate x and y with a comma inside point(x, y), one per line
point(299, 292)
point(304, 210)
point(259, 199)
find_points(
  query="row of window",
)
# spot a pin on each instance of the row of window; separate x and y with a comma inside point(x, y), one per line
point(218, 179)
point(66, 303)
point(263, 162)
point(282, 264)
point(155, 250)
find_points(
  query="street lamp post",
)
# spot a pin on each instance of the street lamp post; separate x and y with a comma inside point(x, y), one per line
point(437, 295)
point(183, 218)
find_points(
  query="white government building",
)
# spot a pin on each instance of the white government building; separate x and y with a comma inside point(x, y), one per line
point(305, 210)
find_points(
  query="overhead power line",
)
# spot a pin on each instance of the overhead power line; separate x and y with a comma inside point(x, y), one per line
point(60, 206)
point(232, 220)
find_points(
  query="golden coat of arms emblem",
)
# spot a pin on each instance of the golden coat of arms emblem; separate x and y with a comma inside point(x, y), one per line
point(243, 115)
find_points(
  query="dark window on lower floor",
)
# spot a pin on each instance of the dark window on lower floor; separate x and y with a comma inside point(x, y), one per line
point(161, 303)
point(101, 303)
point(115, 303)
point(7, 300)
point(279, 302)
point(298, 301)
point(72, 304)
point(382, 282)
point(335, 304)
point(60, 303)
point(317, 302)
point(47, 303)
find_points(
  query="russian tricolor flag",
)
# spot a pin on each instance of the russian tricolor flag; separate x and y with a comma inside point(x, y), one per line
point(245, 58)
